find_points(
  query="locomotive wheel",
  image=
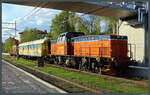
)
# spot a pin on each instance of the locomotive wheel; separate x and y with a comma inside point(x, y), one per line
point(99, 70)
point(67, 63)
point(55, 61)
point(83, 64)
point(73, 63)
point(80, 66)
point(59, 60)
point(93, 67)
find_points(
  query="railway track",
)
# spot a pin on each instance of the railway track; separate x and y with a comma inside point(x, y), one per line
point(95, 74)
point(88, 86)
point(61, 83)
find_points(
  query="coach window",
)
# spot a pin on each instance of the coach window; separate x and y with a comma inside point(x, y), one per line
point(39, 46)
point(28, 47)
point(35, 46)
point(32, 46)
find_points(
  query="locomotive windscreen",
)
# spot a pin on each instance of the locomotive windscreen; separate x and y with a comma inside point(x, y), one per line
point(118, 37)
point(74, 34)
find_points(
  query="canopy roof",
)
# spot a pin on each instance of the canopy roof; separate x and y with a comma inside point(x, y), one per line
point(88, 7)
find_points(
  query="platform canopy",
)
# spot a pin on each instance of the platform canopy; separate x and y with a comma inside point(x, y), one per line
point(94, 7)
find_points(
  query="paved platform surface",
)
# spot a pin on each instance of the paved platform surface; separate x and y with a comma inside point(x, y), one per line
point(14, 81)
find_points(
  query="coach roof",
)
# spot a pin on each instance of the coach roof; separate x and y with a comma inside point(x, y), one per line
point(34, 42)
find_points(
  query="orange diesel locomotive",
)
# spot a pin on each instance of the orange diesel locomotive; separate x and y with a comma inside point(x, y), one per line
point(107, 53)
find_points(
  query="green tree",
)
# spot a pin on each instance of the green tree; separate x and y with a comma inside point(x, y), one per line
point(60, 24)
point(82, 26)
point(7, 46)
point(111, 25)
point(89, 25)
point(30, 35)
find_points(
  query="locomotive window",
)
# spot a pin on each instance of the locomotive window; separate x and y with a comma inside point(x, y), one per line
point(89, 38)
point(86, 39)
point(96, 38)
point(83, 39)
point(92, 38)
point(75, 40)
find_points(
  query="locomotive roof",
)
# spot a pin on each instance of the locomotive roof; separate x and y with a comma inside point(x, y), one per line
point(34, 42)
point(101, 36)
point(67, 33)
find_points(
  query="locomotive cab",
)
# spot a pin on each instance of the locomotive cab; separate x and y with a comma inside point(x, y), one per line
point(64, 42)
point(67, 35)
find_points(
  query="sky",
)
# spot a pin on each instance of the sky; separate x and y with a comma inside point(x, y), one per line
point(40, 20)
point(11, 12)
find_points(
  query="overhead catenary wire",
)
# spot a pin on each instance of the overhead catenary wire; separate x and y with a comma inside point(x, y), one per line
point(31, 13)
point(34, 11)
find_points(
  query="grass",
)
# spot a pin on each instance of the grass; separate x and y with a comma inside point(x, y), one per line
point(20, 61)
point(105, 85)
